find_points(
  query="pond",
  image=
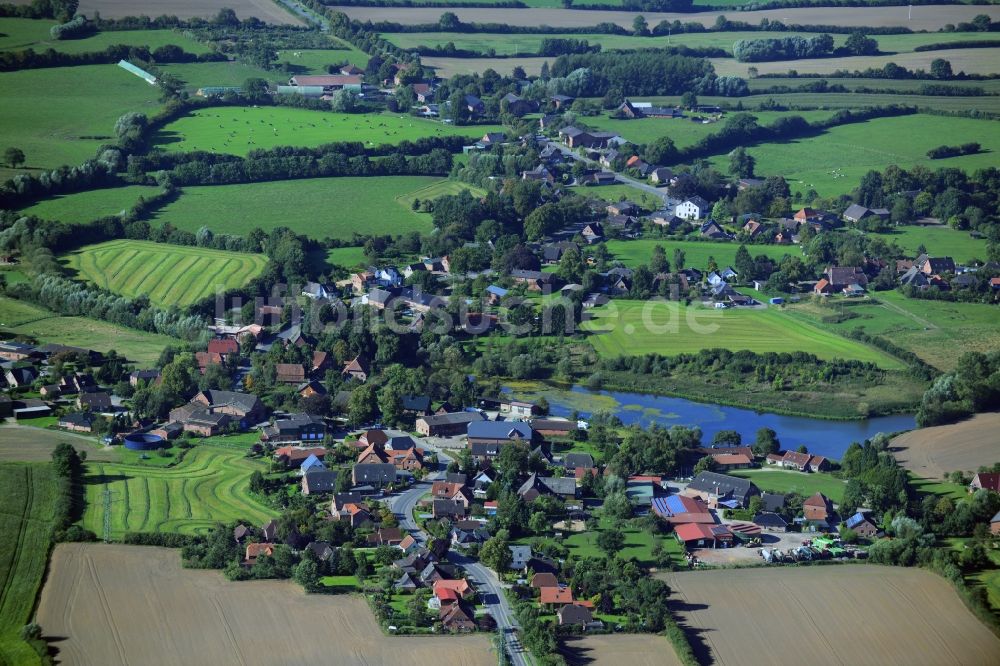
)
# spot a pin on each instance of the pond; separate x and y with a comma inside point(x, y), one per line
point(820, 436)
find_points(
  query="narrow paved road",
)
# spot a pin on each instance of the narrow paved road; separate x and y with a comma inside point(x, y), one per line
point(482, 578)
point(659, 192)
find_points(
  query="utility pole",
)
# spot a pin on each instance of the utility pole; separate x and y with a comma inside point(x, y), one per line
point(107, 514)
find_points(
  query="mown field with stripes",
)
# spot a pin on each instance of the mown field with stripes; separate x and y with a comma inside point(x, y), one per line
point(27, 501)
point(209, 486)
point(167, 274)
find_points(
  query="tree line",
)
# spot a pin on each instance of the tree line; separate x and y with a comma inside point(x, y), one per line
point(31, 59)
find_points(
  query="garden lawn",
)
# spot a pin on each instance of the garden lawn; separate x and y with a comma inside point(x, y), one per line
point(342, 583)
point(318, 207)
point(833, 162)
point(209, 486)
point(618, 329)
point(634, 253)
point(936, 331)
point(20, 34)
point(789, 481)
point(20, 318)
point(638, 543)
point(620, 192)
point(90, 99)
point(940, 241)
point(683, 131)
point(238, 130)
point(167, 274)
point(27, 503)
point(955, 491)
point(82, 207)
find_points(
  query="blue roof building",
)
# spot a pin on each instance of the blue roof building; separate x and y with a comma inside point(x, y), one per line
point(312, 463)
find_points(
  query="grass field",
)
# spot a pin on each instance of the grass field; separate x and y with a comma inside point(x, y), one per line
point(942, 241)
point(970, 61)
point(315, 61)
point(507, 44)
point(27, 501)
point(449, 67)
point(634, 253)
point(19, 34)
point(348, 257)
point(209, 486)
point(859, 614)
point(90, 99)
point(991, 86)
point(269, 12)
point(833, 162)
point(964, 446)
point(936, 331)
point(788, 481)
point(619, 329)
point(319, 207)
point(620, 192)
point(20, 318)
point(24, 443)
point(631, 649)
point(852, 100)
point(638, 544)
point(106, 603)
point(238, 130)
point(167, 274)
point(922, 18)
point(684, 132)
point(82, 207)
point(200, 74)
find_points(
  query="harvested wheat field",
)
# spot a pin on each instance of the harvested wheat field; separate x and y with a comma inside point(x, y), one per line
point(925, 17)
point(853, 614)
point(130, 605)
point(633, 650)
point(265, 10)
point(970, 61)
point(933, 452)
point(27, 444)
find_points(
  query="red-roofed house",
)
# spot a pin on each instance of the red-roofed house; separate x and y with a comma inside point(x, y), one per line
point(985, 481)
point(459, 587)
point(225, 346)
point(696, 535)
point(255, 550)
point(818, 507)
point(555, 596)
point(823, 287)
point(725, 461)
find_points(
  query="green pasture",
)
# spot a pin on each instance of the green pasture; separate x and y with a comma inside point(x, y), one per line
point(83, 207)
point(620, 192)
point(347, 257)
point(637, 252)
point(19, 34)
point(201, 74)
point(238, 130)
point(630, 328)
point(19, 318)
point(852, 100)
point(788, 481)
point(971, 61)
point(683, 131)
point(990, 86)
point(638, 543)
point(955, 491)
point(209, 486)
point(167, 274)
point(834, 161)
point(27, 503)
point(319, 207)
point(315, 61)
point(61, 115)
point(936, 331)
point(940, 241)
point(503, 44)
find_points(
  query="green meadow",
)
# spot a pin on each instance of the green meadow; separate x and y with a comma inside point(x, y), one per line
point(789, 481)
point(210, 485)
point(940, 241)
point(27, 503)
point(633, 253)
point(316, 61)
point(936, 331)
point(632, 328)
point(201, 74)
point(90, 99)
point(19, 34)
point(318, 207)
point(82, 207)
point(21, 318)
point(167, 274)
point(683, 131)
point(834, 161)
point(238, 130)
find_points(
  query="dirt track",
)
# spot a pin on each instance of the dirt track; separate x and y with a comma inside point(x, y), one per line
point(925, 17)
point(265, 10)
point(853, 614)
point(134, 605)
point(933, 452)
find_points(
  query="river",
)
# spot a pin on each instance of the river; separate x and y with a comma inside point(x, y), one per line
point(820, 436)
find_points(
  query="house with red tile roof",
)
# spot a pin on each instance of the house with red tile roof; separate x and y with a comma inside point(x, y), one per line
point(550, 596)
